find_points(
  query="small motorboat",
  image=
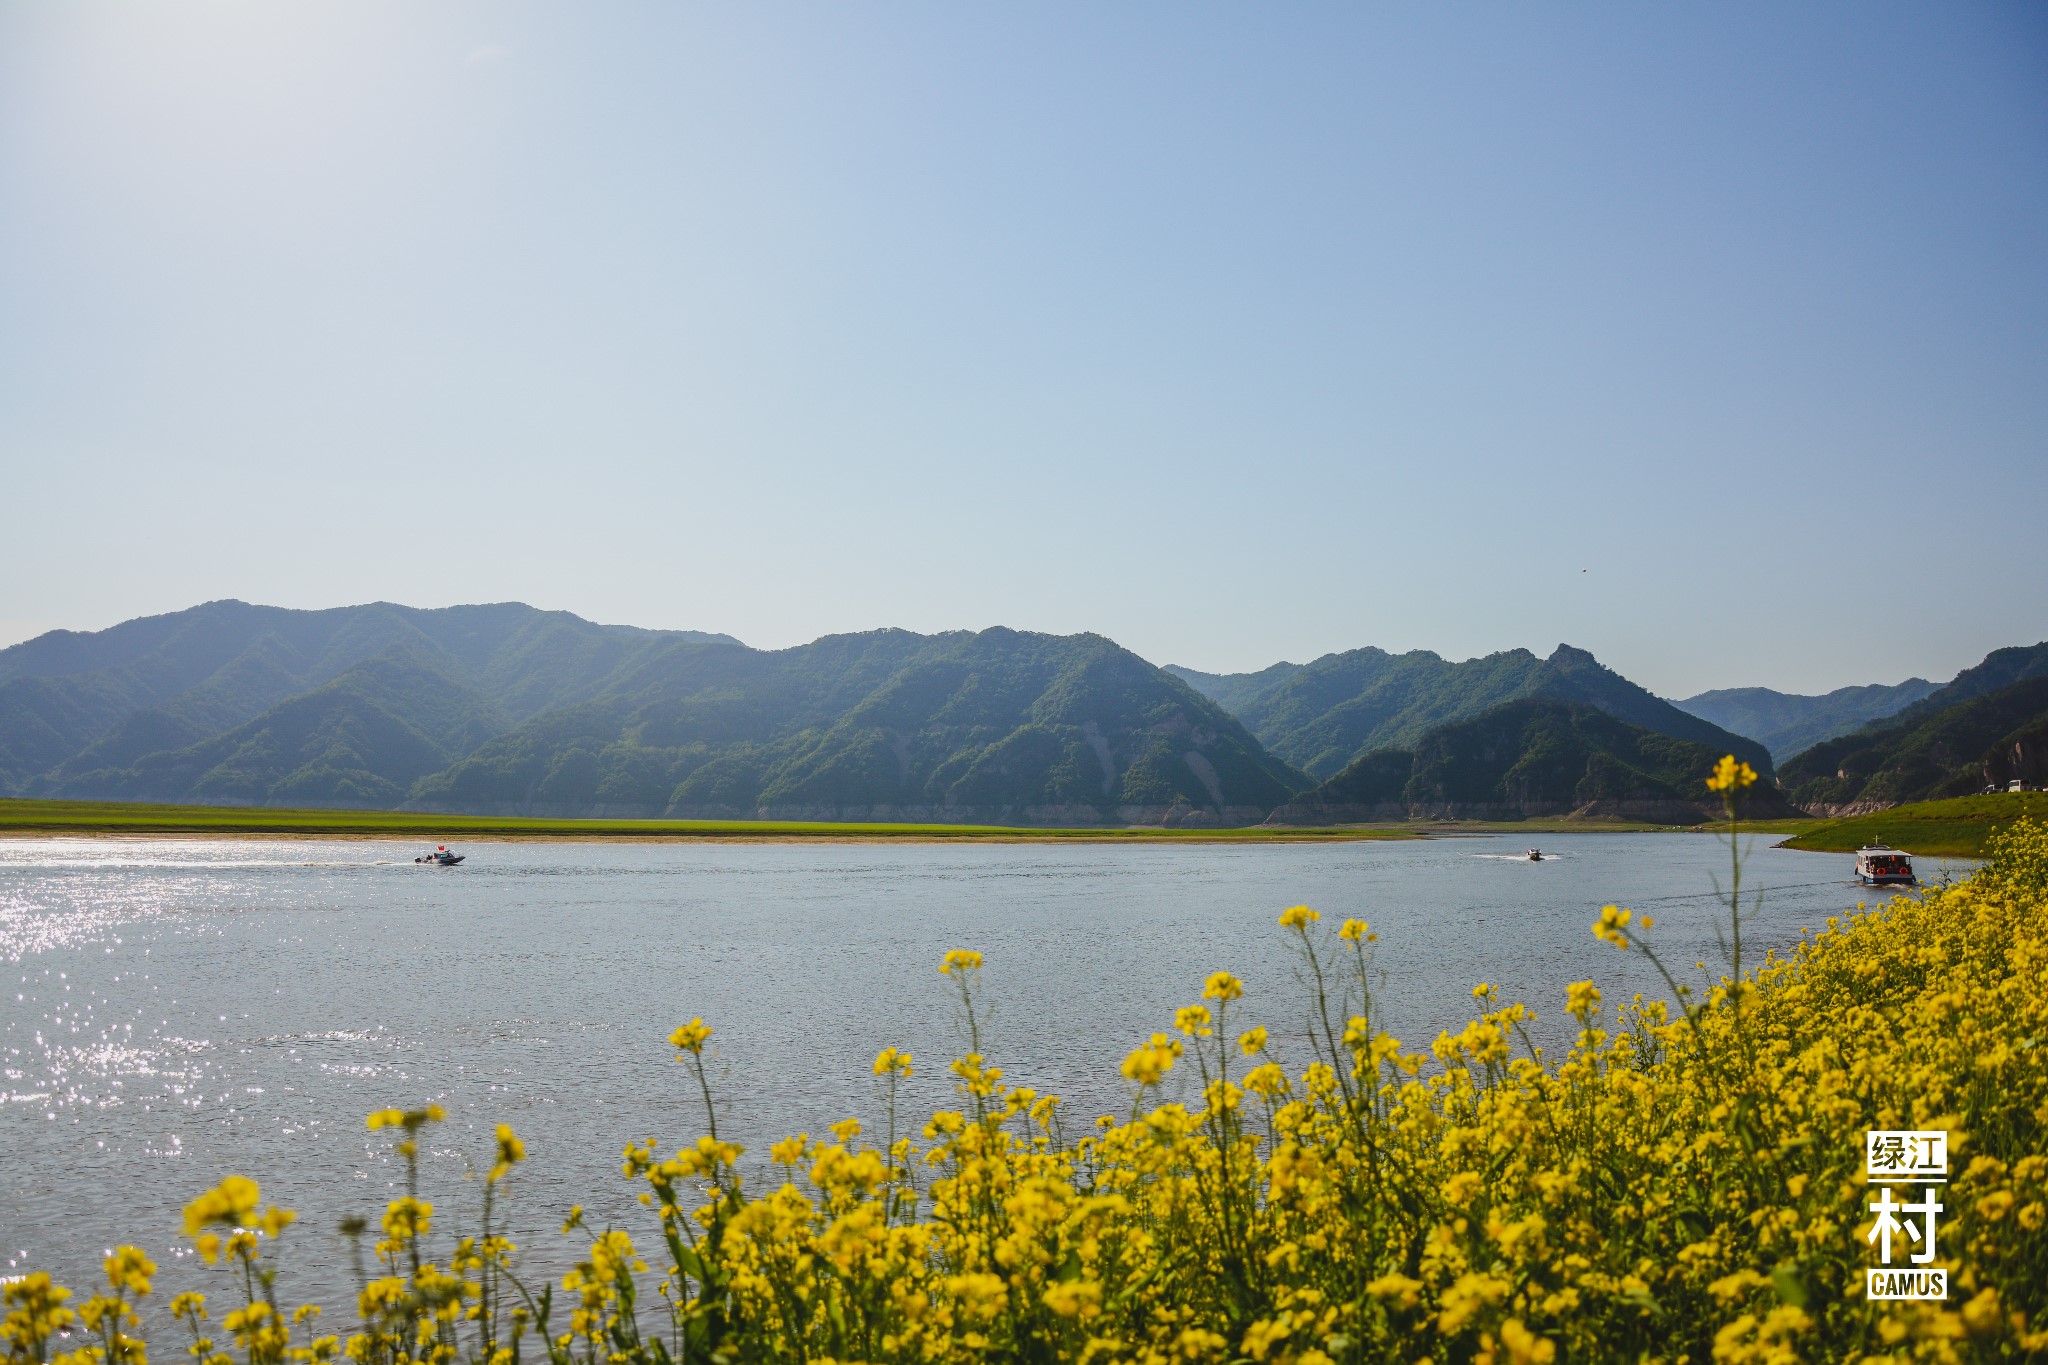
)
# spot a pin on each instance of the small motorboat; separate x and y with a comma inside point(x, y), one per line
point(1880, 866)
point(440, 857)
point(1535, 855)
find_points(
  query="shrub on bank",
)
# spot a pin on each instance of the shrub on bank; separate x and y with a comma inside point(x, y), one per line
point(1685, 1185)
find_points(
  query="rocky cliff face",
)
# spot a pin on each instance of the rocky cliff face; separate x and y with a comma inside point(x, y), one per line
point(2023, 757)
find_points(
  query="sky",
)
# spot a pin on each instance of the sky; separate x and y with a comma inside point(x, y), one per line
point(1712, 339)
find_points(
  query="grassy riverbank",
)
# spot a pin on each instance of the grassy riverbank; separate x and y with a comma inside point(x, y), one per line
point(1958, 828)
point(118, 817)
point(22, 816)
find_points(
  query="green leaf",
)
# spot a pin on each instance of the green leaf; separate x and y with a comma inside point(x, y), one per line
point(1785, 1279)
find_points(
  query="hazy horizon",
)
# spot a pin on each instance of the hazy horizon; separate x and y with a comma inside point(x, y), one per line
point(1709, 340)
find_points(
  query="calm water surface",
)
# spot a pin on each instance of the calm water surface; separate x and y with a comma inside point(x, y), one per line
point(174, 1011)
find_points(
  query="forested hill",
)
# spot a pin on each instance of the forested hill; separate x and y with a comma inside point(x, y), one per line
point(507, 709)
point(1986, 728)
point(1528, 758)
point(1787, 723)
point(1001, 725)
point(1999, 669)
point(1324, 715)
point(103, 712)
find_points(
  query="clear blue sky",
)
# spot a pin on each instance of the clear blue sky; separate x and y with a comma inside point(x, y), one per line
point(1234, 332)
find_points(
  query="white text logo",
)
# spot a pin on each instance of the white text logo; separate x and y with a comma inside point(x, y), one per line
point(1917, 1159)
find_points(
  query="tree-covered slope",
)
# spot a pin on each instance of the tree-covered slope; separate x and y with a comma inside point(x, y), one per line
point(2000, 669)
point(1534, 757)
point(74, 703)
point(1787, 723)
point(361, 739)
point(1324, 715)
point(1955, 750)
point(1000, 725)
point(504, 708)
point(1234, 692)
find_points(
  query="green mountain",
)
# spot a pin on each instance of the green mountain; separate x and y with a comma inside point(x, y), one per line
point(361, 740)
point(1327, 714)
point(1530, 758)
point(1000, 725)
point(2000, 669)
point(1931, 750)
point(104, 712)
point(74, 703)
point(1787, 723)
point(507, 709)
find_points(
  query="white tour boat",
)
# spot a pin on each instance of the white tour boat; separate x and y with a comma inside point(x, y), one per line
point(1878, 866)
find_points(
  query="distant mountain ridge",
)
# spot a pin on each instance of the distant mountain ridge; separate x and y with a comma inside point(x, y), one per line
point(78, 709)
point(1987, 727)
point(507, 709)
point(1787, 723)
point(1327, 714)
point(1538, 756)
point(1997, 670)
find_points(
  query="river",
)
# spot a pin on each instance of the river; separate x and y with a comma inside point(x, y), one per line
point(182, 1009)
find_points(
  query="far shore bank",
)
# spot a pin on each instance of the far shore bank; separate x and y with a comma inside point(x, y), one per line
point(119, 820)
point(21, 817)
point(1958, 827)
point(1078, 836)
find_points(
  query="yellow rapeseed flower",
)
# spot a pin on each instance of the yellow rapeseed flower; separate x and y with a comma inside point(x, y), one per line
point(1149, 1062)
point(510, 1152)
point(232, 1203)
point(1222, 986)
point(1298, 917)
point(128, 1270)
point(1523, 1347)
point(960, 960)
point(691, 1037)
point(1730, 775)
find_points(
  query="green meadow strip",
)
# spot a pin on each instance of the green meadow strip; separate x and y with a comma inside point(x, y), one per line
point(1956, 828)
point(21, 816)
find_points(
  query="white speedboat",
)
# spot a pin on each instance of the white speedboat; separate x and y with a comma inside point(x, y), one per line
point(440, 857)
